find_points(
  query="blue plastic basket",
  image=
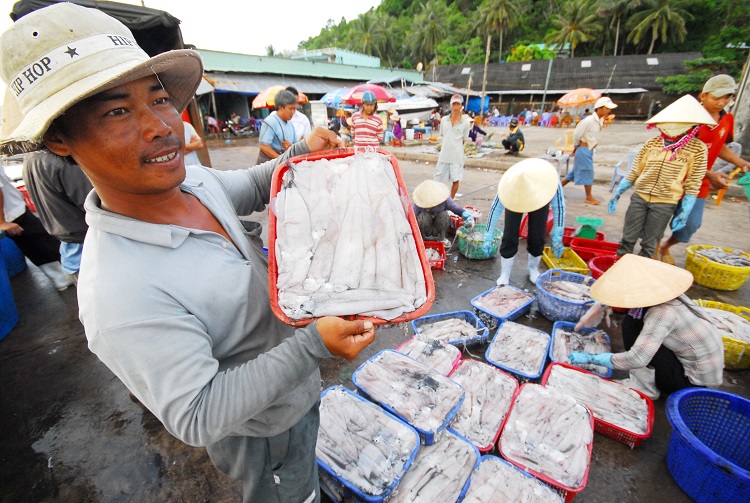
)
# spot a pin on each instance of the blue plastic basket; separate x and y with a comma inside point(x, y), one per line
point(709, 451)
point(344, 487)
point(520, 376)
point(570, 326)
point(492, 320)
point(427, 437)
point(483, 332)
point(8, 311)
point(15, 262)
point(555, 308)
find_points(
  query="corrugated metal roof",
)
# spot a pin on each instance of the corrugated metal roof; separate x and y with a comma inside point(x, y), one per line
point(630, 90)
point(215, 61)
point(604, 72)
point(251, 83)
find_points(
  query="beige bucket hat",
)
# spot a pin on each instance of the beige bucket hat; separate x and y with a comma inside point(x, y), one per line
point(636, 281)
point(57, 56)
point(430, 193)
point(720, 85)
point(685, 110)
point(528, 185)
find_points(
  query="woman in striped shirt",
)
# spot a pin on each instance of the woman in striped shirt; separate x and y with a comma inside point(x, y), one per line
point(367, 127)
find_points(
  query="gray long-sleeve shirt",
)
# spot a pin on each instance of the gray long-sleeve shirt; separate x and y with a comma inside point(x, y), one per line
point(183, 317)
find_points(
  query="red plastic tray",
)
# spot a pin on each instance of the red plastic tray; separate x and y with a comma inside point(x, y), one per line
point(440, 247)
point(273, 270)
point(590, 248)
point(568, 235)
point(487, 448)
point(523, 232)
point(626, 437)
point(567, 493)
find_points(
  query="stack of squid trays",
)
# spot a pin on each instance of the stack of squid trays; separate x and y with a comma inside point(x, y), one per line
point(520, 350)
point(501, 303)
point(563, 296)
point(565, 338)
point(621, 413)
point(459, 328)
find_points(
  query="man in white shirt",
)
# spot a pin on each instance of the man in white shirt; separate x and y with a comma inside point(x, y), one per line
point(299, 121)
point(193, 143)
point(585, 140)
point(454, 130)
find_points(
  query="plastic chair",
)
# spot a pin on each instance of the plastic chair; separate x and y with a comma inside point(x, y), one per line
point(554, 121)
point(620, 172)
point(568, 147)
point(565, 122)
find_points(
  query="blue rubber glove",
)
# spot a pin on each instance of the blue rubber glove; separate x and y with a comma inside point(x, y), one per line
point(489, 237)
point(557, 244)
point(623, 186)
point(468, 218)
point(602, 359)
point(580, 357)
point(686, 207)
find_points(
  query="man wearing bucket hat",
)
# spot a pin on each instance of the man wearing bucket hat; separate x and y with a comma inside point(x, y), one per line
point(432, 207)
point(717, 94)
point(585, 140)
point(669, 341)
point(668, 168)
point(174, 298)
point(367, 127)
point(529, 186)
point(454, 131)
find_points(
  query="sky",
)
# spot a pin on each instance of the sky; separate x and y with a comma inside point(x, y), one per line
point(245, 26)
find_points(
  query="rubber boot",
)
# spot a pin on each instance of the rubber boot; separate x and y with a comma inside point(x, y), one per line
point(54, 272)
point(643, 380)
point(534, 268)
point(506, 266)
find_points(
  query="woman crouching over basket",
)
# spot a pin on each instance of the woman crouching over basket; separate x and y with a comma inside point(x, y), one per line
point(670, 343)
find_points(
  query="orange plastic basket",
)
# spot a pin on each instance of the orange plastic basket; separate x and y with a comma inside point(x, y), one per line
point(273, 270)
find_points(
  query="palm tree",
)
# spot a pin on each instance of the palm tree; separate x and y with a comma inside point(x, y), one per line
point(367, 34)
point(496, 16)
point(574, 26)
point(430, 28)
point(665, 19)
point(615, 10)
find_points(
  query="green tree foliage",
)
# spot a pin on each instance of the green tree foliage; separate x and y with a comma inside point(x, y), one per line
point(429, 29)
point(496, 16)
point(698, 72)
point(577, 24)
point(521, 52)
point(470, 52)
point(662, 20)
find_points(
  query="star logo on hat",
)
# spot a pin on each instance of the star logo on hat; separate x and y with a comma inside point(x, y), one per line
point(72, 52)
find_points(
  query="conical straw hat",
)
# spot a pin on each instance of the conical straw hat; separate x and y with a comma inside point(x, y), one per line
point(528, 185)
point(686, 110)
point(429, 194)
point(636, 281)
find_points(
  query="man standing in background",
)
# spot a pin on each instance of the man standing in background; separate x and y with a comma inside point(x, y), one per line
point(299, 120)
point(454, 130)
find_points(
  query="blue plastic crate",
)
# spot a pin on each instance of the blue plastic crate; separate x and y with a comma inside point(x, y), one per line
point(489, 458)
point(492, 320)
point(569, 327)
point(483, 332)
point(709, 451)
point(15, 262)
point(342, 487)
point(427, 437)
point(8, 311)
point(555, 308)
point(520, 376)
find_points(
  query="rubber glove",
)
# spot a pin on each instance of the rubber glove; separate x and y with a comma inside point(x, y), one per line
point(468, 218)
point(623, 186)
point(489, 237)
point(557, 244)
point(686, 207)
point(580, 357)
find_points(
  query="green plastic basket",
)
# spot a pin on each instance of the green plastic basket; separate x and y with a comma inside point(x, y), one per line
point(471, 240)
point(744, 182)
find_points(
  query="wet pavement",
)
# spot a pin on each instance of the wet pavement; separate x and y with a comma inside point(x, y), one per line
point(72, 434)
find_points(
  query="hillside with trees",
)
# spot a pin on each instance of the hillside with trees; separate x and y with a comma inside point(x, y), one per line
point(450, 32)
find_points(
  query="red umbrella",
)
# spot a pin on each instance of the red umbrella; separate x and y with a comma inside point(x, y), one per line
point(354, 95)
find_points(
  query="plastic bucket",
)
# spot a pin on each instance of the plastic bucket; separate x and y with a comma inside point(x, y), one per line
point(409, 134)
point(15, 262)
point(8, 311)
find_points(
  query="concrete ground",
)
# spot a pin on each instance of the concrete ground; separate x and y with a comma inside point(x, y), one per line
point(71, 433)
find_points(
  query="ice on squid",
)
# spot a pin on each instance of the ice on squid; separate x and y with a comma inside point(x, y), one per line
point(520, 348)
point(549, 432)
point(495, 480)
point(489, 393)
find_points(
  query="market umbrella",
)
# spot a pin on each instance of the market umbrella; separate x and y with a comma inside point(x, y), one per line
point(266, 98)
point(333, 98)
point(579, 97)
point(354, 95)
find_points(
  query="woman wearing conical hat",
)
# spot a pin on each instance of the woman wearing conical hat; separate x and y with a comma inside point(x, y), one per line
point(433, 207)
point(670, 343)
point(668, 168)
point(531, 186)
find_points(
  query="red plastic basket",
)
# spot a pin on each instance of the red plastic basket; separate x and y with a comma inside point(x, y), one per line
point(623, 436)
point(273, 270)
point(440, 247)
point(457, 221)
point(523, 232)
point(568, 235)
point(567, 493)
point(600, 264)
point(487, 448)
point(590, 248)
